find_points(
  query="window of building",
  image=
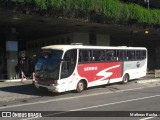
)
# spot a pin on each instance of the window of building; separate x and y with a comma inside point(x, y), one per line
point(57, 41)
point(29, 46)
point(52, 42)
point(35, 45)
point(62, 41)
point(68, 40)
point(92, 39)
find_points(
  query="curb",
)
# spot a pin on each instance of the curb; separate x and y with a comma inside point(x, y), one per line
point(147, 81)
point(15, 80)
point(19, 80)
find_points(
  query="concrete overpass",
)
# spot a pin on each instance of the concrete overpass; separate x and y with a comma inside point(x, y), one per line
point(28, 28)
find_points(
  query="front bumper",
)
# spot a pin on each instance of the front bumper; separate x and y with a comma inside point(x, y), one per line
point(51, 87)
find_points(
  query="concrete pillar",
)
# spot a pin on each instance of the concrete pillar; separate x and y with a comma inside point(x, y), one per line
point(12, 53)
point(11, 63)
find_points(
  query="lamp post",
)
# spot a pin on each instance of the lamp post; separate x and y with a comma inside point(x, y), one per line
point(147, 1)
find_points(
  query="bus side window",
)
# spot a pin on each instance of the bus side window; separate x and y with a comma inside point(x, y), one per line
point(69, 63)
point(81, 56)
point(111, 55)
point(137, 54)
point(130, 55)
point(85, 55)
point(102, 55)
point(142, 54)
point(88, 56)
point(122, 55)
point(98, 55)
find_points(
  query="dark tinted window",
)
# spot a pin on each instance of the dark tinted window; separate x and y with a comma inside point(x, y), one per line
point(130, 54)
point(69, 63)
point(98, 55)
point(111, 55)
point(85, 55)
point(122, 54)
point(140, 54)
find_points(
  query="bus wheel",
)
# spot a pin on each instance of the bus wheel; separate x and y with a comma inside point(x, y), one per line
point(80, 86)
point(125, 79)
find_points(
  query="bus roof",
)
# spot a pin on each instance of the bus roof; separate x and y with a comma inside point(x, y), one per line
point(67, 47)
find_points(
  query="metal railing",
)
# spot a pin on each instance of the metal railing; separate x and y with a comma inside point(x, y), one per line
point(17, 76)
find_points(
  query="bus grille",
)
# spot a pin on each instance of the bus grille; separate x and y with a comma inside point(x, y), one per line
point(43, 83)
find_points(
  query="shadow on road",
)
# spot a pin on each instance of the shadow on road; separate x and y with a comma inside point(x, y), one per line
point(27, 89)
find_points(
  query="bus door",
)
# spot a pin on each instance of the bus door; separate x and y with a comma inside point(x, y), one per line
point(67, 68)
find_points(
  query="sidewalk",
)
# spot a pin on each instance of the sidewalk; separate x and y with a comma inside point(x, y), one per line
point(15, 80)
point(148, 79)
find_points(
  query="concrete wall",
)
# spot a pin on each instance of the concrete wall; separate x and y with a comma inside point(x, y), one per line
point(81, 38)
point(103, 40)
point(157, 58)
point(33, 47)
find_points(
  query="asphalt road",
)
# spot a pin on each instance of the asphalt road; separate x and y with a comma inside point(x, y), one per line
point(117, 101)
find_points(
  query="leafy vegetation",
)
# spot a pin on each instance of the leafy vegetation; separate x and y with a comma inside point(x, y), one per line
point(109, 9)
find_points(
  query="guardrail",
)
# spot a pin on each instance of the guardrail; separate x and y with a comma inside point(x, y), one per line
point(17, 76)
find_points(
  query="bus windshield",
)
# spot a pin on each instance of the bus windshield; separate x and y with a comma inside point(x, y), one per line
point(48, 64)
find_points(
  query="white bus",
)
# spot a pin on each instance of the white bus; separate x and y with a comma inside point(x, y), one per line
point(62, 68)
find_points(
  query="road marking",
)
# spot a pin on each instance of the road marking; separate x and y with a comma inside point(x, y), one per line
point(131, 100)
point(101, 105)
point(68, 98)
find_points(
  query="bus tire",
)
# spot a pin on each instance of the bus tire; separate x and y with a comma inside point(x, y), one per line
point(80, 86)
point(125, 79)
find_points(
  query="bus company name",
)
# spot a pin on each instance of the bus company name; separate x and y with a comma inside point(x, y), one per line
point(90, 68)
